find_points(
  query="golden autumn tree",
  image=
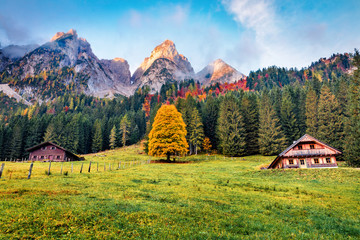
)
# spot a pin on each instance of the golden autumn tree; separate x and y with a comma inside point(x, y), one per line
point(207, 144)
point(167, 136)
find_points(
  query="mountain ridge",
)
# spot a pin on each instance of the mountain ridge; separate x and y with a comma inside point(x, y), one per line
point(67, 63)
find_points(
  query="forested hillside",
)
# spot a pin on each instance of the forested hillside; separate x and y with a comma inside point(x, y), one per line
point(261, 114)
point(322, 70)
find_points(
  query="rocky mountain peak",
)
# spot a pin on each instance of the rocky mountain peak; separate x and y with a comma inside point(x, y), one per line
point(166, 50)
point(61, 35)
point(119, 60)
point(164, 57)
point(218, 71)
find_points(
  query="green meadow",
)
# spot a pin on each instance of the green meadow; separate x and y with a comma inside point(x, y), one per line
point(204, 197)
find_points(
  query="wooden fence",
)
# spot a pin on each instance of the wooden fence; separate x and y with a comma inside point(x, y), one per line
point(91, 167)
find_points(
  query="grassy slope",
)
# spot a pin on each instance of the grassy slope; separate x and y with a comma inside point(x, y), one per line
point(222, 199)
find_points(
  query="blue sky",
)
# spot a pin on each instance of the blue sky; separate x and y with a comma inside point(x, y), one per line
point(247, 34)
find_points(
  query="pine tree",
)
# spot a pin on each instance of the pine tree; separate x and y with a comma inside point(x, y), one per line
point(186, 108)
point(250, 113)
point(288, 118)
point(125, 129)
point(299, 100)
point(271, 137)
point(97, 137)
point(231, 131)
point(311, 107)
point(113, 137)
point(196, 130)
point(352, 146)
point(71, 136)
point(17, 142)
point(330, 122)
point(167, 136)
point(210, 114)
point(50, 133)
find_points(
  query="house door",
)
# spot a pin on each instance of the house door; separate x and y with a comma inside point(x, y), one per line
point(303, 163)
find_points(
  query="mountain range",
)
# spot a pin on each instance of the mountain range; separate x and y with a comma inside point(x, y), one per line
point(68, 62)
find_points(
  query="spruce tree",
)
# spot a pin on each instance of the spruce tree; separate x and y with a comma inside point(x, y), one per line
point(311, 112)
point(352, 144)
point(250, 113)
point(197, 131)
point(71, 136)
point(231, 131)
point(210, 114)
point(330, 122)
point(97, 137)
point(125, 129)
point(50, 133)
point(17, 142)
point(112, 137)
point(288, 118)
point(271, 138)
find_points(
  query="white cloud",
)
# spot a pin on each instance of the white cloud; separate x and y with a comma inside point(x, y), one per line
point(135, 18)
point(253, 14)
point(180, 15)
point(267, 39)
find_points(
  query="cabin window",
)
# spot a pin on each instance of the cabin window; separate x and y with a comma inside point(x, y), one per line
point(43, 148)
point(291, 161)
point(58, 157)
point(52, 148)
point(34, 157)
point(302, 161)
point(312, 146)
point(316, 160)
point(328, 160)
point(42, 157)
point(300, 147)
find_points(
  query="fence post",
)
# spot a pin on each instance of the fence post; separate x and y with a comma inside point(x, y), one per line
point(89, 167)
point(61, 168)
point(82, 164)
point(49, 168)
point(2, 169)
point(97, 167)
point(31, 167)
point(72, 167)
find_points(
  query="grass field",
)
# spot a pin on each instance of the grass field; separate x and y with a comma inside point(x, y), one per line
point(226, 198)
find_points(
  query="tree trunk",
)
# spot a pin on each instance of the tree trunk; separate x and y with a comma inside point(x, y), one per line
point(168, 157)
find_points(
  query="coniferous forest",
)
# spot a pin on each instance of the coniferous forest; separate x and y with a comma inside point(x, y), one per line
point(277, 107)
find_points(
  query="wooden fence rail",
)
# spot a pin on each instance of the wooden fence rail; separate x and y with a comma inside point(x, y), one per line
point(118, 166)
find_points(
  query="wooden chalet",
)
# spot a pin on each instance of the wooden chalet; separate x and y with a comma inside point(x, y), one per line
point(49, 151)
point(307, 152)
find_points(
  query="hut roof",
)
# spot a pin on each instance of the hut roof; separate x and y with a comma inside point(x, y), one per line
point(305, 152)
point(51, 143)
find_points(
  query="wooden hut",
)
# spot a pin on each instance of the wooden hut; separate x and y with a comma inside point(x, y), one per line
point(49, 151)
point(307, 152)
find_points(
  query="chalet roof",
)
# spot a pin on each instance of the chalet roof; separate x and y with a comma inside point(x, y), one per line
point(305, 152)
point(51, 143)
